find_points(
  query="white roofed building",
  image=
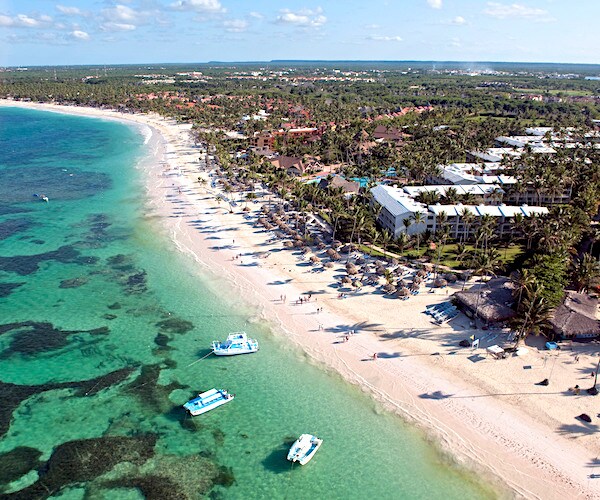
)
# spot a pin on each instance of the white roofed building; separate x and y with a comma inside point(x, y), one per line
point(396, 206)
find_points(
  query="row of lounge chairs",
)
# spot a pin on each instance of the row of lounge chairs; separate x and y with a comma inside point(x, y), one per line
point(442, 312)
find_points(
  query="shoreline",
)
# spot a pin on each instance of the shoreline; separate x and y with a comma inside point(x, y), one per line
point(473, 412)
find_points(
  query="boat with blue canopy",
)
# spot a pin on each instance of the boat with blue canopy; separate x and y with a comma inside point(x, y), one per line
point(236, 343)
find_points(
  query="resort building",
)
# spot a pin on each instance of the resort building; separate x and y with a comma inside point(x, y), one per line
point(455, 216)
point(349, 188)
point(397, 208)
point(490, 193)
point(471, 174)
point(394, 207)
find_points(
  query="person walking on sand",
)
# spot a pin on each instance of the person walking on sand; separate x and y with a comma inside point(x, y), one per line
point(374, 356)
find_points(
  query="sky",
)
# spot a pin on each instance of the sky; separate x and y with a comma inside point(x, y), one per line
point(69, 32)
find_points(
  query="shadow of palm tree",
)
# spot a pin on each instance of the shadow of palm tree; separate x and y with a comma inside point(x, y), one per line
point(582, 429)
point(435, 395)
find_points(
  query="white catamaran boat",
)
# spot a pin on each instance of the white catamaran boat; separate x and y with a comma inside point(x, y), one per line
point(207, 401)
point(236, 343)
point(304, 448)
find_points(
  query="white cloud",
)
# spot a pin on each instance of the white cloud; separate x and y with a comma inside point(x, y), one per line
point(120, 13)
point(381, 38)
point(435, 4)
point(455, 42)
point(256, 15)
point(458, 21)
point(80, 35)
point(124, 18)
point(207, 6)
point(236, 25)
point(305, 18)
point(515, 10)
point(110, 26)
point(25, 21)
point(372, 26)
point(69, 11)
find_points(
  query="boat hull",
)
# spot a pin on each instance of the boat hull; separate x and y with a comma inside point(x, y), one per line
point(236, 343)
point(207, 401)
point(218, 351)
point(304, 449)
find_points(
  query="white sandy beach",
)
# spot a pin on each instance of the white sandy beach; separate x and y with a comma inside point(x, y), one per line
point(488, 414)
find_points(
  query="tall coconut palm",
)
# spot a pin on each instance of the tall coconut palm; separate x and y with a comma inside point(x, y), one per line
point(522, 282)
point(533, 318)
point(586, 272)
point(418, 218)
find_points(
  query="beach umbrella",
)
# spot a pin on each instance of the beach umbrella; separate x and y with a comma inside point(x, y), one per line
point(335, 256)
point(288, 244)
point(321, 245)
point(351, 270)
point(380, 263)
point(346, 280)
point(314, 259)
point(328, 265)
point(336, 243)
point(389, 288)
point(421, 273)
point(403, 292)
point(380, 270)
point(305, 250)
point(440, 283)
point(299, 243)
point(417, 280)
point(360, 260)
point(401, 283)
point(427, 268)
point(450, 278)
point(330, 251)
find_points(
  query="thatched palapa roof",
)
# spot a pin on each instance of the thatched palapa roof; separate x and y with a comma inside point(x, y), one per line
point(491, 302)
point(576, 316)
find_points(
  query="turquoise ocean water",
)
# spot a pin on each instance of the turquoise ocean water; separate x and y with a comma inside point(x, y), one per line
point(101, 324)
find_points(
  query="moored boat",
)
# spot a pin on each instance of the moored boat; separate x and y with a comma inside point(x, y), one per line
point(207, 401)
point(304, 448)
point(236, 343)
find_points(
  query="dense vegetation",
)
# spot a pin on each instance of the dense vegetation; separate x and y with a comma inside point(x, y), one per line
point(442, 113)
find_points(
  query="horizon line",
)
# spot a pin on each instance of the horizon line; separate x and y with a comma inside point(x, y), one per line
point(313, 61)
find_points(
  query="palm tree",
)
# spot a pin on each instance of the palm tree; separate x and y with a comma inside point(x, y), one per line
point(402, 240)
point(522, 281)
point(386, 237)
point(586, 272)
point(534, 317)
point(418, 218)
